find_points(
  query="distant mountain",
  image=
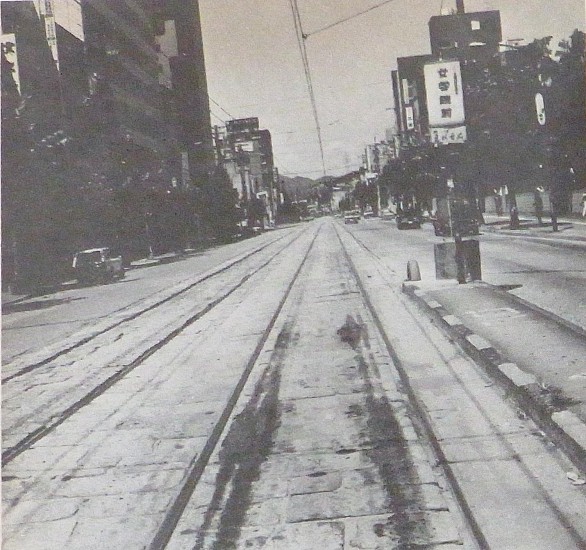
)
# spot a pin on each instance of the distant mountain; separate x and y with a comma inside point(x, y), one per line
point(298, 188)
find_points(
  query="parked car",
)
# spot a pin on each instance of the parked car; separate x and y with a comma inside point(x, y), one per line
point(352, 216)
point(408, 219)
point(455, 215)
point(97, 265)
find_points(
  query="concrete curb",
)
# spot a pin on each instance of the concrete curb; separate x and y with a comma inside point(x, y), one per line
point(568, 242)
point(7, 301)
point(563, 427)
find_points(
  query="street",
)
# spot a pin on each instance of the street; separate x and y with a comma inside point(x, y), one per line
point(289, 391)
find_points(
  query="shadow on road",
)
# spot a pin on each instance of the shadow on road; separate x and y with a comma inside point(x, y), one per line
point(21, 307)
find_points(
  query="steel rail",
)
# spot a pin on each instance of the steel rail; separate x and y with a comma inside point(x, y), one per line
point(199, 462)
point(427, 427)
point(30, 439)
point(135, 315)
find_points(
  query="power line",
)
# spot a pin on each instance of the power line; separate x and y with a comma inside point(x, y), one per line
point(216, 116)
point(305, 36)
point(330, 88)
point(222, 108)
point(232, 117)
point(303, 51)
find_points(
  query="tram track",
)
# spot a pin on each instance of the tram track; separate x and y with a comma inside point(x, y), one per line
point(200, 461)
point(136, 311)
point(386, 440)
point(50, 423)
point(375, 285)
point(479, 527)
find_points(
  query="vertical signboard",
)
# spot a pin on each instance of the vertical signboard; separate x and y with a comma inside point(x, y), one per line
point(45, 11)
point(540, 108)
point(443, 89)
point(409, 118)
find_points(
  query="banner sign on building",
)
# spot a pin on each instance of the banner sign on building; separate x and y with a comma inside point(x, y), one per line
point(445, 97)
point(540, 108)
point(409, 118)
point(406, 94)
point(443, 136)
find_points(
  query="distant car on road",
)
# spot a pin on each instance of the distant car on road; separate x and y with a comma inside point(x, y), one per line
point(408, 219)
point(352, 216)
point(97, 265)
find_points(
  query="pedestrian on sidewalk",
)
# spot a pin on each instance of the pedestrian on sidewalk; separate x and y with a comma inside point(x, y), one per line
point(514, 221)
point(498, 203)
point(538, 205)
point(583, 203)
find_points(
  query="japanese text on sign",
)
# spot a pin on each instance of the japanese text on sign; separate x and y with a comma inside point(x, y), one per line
point(443, 89)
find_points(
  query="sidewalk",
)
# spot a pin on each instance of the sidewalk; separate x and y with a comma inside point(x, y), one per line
point(537, 358)
point(572, 231)
point(12, 298)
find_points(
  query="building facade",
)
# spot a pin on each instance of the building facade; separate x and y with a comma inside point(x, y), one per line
point(105, 116)
point(179, 44)
point(469, 37)
point(246, 152)
point(429, 90)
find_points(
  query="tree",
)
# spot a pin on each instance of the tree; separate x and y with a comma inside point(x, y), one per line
point(218, 204)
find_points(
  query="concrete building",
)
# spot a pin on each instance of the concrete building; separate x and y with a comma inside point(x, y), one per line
point(409, 98)
point(468, 37)
point(246, 152)
point(181, 57)
point(123, 64)
point(429, 90)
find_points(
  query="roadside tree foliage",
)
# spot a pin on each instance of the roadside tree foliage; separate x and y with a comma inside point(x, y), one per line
point(507, 143)
point(217, 205)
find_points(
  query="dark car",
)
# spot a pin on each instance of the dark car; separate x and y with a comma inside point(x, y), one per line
point(97, 265)
point(408, 219)
point(455, 216)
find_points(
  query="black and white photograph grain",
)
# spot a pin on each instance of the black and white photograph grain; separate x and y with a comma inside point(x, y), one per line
point(293, 274)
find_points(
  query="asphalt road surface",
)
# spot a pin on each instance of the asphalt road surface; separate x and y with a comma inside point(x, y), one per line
point(279, 393)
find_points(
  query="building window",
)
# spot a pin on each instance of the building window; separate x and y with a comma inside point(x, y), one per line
point(446, 113)
point(445, 99)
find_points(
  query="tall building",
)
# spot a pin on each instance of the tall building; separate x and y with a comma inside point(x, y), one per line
point(409, 96)
point(33, 123)
point(123, 65)
point(111, 97)
point(468, 37)
point(429, 89)
point(181, 56)
point(246, 152)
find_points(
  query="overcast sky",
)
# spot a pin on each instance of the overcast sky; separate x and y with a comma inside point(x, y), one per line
point(254, 67)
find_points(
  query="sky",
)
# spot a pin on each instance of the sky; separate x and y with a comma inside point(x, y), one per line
point(254, 67)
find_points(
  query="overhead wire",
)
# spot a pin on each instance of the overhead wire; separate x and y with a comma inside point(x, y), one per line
point(216, 116)
point(305, 36)
point(232, 117)
point(222, 108)
point(303, 51)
